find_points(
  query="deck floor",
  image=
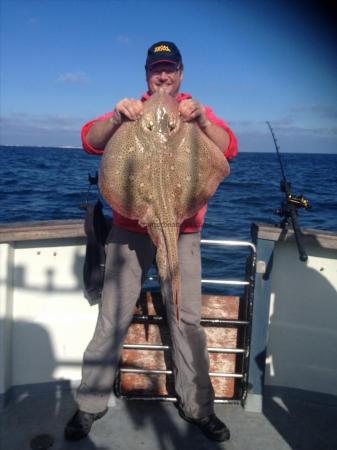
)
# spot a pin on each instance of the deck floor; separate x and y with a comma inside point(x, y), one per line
point(131, 425)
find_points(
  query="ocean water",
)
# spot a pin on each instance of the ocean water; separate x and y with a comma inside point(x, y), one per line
point(52, 183)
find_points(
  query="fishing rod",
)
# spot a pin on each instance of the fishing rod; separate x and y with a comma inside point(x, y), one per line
point(289, 207)
point(93, 181)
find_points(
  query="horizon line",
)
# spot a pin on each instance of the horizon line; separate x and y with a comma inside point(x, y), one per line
point(75, 147)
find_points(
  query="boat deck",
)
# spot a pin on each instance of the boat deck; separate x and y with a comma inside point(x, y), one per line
point(290, 424)
point(292, 350)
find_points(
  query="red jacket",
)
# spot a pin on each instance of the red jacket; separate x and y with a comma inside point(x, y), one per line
point(191, 225)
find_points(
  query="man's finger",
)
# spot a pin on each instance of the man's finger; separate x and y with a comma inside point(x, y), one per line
point(124, 110)
point(132, 109)
point(138, 105)
point(191, 113)
point(195, 113)
point(129, 111)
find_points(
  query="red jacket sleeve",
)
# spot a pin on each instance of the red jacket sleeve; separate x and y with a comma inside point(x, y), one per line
point(84, 133)
point(232, 149)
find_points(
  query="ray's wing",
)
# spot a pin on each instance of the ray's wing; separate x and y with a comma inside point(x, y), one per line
point(125, 169)
point(197, 167)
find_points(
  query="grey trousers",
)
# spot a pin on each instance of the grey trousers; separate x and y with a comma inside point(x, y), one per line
point(129, 257)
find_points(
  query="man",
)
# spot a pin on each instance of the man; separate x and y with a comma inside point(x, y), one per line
point(129, 255)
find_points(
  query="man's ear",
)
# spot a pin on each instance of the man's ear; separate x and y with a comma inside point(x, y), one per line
point(181, 74)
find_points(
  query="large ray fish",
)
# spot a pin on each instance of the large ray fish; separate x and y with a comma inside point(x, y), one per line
point(160, 171)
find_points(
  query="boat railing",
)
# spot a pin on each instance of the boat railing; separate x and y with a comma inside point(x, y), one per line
point(223, 243)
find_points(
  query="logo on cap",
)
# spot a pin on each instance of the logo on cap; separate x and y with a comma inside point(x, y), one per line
point(162, 48)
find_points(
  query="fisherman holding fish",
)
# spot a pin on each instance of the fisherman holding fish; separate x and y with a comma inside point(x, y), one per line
point(139, 236)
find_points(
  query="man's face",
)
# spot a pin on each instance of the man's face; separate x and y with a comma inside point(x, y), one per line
point(166, 76)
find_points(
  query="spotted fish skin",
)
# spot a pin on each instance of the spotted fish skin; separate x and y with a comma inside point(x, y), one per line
point(161, 170)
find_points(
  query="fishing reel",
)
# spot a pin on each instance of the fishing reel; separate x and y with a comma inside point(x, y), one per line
point(93, 181)
point(297, 201)
point(291, 203)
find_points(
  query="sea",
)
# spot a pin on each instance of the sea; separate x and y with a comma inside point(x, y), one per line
point(46, 183)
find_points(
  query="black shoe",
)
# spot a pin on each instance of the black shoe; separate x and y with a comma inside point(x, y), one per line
point(211, 426)
point(80, 424)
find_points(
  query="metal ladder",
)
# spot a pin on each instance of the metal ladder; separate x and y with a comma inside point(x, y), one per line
point(244, 323)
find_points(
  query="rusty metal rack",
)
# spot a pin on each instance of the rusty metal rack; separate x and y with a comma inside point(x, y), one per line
point(229, 363)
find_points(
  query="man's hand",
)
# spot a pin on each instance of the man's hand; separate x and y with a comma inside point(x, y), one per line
point(128, 107)
point(102, 130)
point(193, 110)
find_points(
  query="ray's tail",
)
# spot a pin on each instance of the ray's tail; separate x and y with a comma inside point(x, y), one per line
point(165, 236)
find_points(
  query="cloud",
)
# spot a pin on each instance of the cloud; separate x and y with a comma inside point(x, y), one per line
point(33, 20)
point(40, 129)
point(123, 39)
point(282, 122)
point(307, 131)
point(242, 123)
point(73, 78)
point(283, 125)
point(41, 121)
point(334, 130)
point(254, 135)
point(260, 126)
point(323, 111)
point(292, 140)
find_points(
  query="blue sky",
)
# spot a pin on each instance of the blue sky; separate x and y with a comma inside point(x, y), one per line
point(64, 62)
